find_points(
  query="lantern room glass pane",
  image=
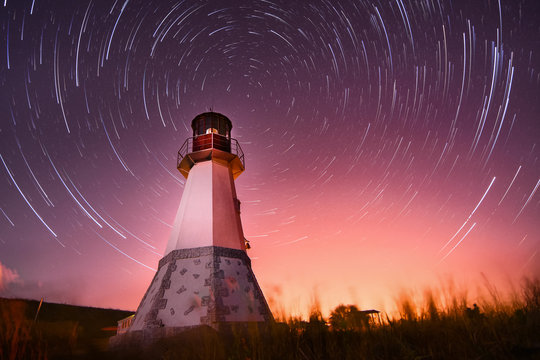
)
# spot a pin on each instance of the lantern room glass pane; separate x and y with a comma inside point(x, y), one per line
point(211, 122)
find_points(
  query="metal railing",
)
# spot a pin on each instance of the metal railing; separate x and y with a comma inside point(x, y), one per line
point(210, 141)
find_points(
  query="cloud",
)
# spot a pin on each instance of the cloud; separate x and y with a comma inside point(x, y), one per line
point(68, 290)
point(7, 277)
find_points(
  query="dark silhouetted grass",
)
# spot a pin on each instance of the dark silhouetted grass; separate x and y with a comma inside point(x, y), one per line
point(59, 331)
point(441, 327)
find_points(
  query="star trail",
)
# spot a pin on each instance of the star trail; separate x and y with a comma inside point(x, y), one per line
point(388, 144)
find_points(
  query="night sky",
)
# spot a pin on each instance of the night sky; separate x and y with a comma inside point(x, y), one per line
point(389, 145)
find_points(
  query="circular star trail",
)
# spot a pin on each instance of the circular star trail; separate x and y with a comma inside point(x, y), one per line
point(388, 144)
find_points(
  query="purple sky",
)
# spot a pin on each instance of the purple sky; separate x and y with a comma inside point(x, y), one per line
point(389, 144)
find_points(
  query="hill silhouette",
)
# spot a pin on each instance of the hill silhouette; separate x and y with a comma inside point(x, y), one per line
point(58, 330)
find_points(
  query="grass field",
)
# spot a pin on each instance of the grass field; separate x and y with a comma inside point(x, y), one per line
point(448, 328)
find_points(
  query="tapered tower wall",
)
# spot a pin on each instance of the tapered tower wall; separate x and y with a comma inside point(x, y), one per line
point(209, 212)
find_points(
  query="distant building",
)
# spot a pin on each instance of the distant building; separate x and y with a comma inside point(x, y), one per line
point(124, 324)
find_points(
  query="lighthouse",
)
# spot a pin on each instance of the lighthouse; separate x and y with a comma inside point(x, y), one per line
point(205, 275)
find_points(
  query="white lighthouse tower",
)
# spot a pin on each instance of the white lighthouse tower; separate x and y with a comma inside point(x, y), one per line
point(205, 276)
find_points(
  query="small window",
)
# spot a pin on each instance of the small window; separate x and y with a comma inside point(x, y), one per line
point(236, 205)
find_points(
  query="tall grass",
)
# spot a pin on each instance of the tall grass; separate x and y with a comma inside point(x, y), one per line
point(442, 325)
point(19, 338)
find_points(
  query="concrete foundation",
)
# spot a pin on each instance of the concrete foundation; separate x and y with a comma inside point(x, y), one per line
point(202, 286)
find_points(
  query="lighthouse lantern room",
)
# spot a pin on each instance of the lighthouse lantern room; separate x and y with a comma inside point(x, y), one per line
point(211, 140)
